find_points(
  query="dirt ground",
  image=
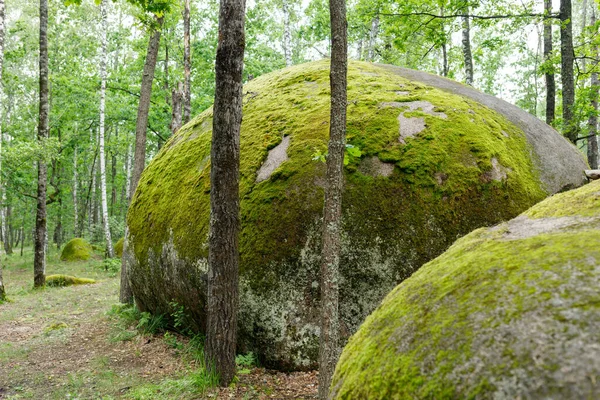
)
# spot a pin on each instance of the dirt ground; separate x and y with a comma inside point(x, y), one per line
point(61, 343)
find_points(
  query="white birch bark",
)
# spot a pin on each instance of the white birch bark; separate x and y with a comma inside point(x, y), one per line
point(287, 34)
point(128, 173)
point(109, 247)
point(75, 208)
point(373, 38)
point(466, 45)
point(2, 292)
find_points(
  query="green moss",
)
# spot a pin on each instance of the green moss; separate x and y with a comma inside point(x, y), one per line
point(119, 248)
point(76, 250)
point(66, 280)
point(455, 328)
point(405, 219)
point(583, 202)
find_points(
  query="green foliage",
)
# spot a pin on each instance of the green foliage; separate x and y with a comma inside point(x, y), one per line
point(112, 265)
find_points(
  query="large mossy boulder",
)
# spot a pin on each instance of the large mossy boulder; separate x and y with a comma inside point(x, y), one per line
point(119, 248)
point(433, 166)
point(509, 312)
point(77, 249)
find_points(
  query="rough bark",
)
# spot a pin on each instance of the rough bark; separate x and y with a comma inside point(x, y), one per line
point(567, 56)
point(549, 74)
point(466, 47)
point(39, 261)
point(592, 148)
point(128, 168)
point(139, 160)
point(287, 34)
point(223, 255)
point(2, 25)
point(110, 252)
point(177, 99)
point(187, 93)
point(332, 210)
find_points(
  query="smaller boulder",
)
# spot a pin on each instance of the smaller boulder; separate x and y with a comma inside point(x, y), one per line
point(67, 280)
point(76, 250)
point(119, 248)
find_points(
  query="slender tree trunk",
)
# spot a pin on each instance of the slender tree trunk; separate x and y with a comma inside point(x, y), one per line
point(176, 105)
point(110, 252)
point(223, 253)
point(567, 61)
point(466, 45)
point(187, 93)
point(373, 37)
point(2, 25)
point(592, 147)
point(75, 184)
point(139, 161)
point(113, 175)
point(287, 34)
point(549, 74)
point(39, 262)
point(332, 211)
point(128, 168)
point(22, 238)
point(444, 51)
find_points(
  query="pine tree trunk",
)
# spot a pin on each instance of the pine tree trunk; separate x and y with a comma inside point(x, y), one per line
point(223, 253)
point(592, 147)
point(549, 75)
point(466, 45)
point(187, 95)
point(332, 211)
point(567, 60)
point(287, 34)
point(139, 161)
point(110, 252)
point(39, 262)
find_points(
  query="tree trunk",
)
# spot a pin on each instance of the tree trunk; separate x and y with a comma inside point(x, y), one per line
point(113, 176)
point(176, 106)
point(592, 147)
point(466, 45)
point(2, 25)
point(139, 161)
point(187, 93)
point(39, 262)
point(75, 184)
point(567, 59)
point(549, 74)
point(332, 211)
point(223, 253)
point(287, 34)
point(373, 37)
point(128, 168)
point(110, 252)
point(22, 238)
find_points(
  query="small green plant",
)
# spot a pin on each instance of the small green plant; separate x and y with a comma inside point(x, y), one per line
point(245, 363)
point(171, 341)
point(151, 324)
point(112, 265)
point(350, 154)
point(180, 318)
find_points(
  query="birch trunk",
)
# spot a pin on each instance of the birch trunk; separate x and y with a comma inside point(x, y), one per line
point(75, 184)
point(110, 252)
point(592, 147)
point(128, 174)
point(2, 14)
point(139, 161)
point(39, 262)
point(287, 34)
point(332, 210)
point(223, 251)
point(177, 99)
point(549, 74)
point(187, 93)
point(373, 37)
point(567, 61)
point(466, 45)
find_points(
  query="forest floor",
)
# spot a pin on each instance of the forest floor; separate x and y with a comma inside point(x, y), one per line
point(78, 343)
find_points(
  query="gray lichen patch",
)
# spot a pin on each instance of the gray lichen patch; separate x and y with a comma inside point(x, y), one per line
point(424, 106)
point(412, 126)
point(277, 156)
point(373, 166)
point(524, 227)
point(498, 172)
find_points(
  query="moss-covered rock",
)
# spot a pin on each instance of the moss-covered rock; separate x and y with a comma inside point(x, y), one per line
point(433, 166)
point(66, 280)
point(509, 312)
point(76, 250)
point(119, 248)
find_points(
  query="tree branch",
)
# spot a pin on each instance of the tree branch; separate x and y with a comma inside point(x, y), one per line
point(482, 17)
